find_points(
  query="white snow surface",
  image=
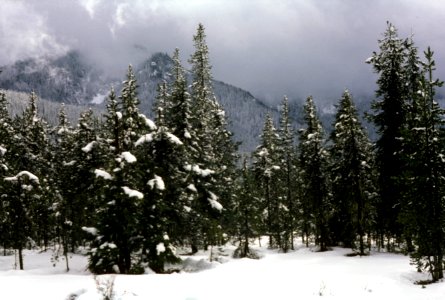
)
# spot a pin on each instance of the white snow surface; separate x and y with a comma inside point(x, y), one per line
point(132, 193)
point(299, 274)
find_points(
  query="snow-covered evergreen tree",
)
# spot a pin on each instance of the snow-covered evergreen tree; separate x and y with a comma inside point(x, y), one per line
point(266, 166)
point(213, 145)
point(288, 176)
point(118, 199)
point(32, 153)
point(6, 139)
point(64, 206)
point(424, 200)
point(313, 162)
point(246, 211)
point(353, 182)
point(390, 116)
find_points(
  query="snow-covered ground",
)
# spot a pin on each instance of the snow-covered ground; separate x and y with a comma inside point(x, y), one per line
point(300, 274)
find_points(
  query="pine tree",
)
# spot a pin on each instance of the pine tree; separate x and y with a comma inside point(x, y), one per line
point(246, 212)
point(415, 77)
point(425, 207)
point(32, 154)
point(266, 167)
point(287, 173)
point(6, 139)
point(214, 150)
point(165, 196)
point(390, 117)
point(313, 161)
point(65, 208)
point(23, 191)
point(179, 109)
point(352, 177)
point(117, 181)
point(27, 196)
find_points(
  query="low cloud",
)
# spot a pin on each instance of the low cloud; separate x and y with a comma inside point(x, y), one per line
point(269, 47)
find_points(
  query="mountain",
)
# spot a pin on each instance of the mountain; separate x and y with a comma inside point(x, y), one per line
point(68, 79)
point(18, 101)
point(72, 80)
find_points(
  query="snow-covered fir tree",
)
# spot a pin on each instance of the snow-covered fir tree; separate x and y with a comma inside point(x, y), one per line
point(266, 165)
point(288, 177)
point(246, 212)
point(313, 162)
point(6, 138)
point(118, 198)
point(424, 209)
point(214, 148)
point(389, 116)
point(65, 206)
point(353, 178)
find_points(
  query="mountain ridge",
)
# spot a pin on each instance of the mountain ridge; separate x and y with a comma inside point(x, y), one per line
point(71, 80)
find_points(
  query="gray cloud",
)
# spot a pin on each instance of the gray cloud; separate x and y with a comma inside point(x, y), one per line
point(269, 47)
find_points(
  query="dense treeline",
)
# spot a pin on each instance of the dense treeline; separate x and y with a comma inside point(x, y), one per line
point(131, 190)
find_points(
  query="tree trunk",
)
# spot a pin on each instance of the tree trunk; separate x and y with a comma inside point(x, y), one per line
point(20, 258)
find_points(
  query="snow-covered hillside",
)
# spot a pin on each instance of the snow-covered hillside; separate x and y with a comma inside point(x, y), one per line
point(300, 274)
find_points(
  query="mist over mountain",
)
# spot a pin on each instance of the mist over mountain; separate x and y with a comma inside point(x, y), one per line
point(72, 80)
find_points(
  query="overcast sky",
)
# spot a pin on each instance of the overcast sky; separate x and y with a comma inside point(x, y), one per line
point(269, 47)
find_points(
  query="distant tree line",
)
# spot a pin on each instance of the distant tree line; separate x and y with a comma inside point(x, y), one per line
point(131, 190)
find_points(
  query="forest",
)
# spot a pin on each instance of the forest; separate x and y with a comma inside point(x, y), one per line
point(131, 189)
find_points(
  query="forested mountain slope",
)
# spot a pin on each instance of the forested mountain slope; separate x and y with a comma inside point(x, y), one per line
point(71, 80)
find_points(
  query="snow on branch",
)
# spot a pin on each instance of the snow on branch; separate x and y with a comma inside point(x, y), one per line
point(104, 174)
point(198, 170)
point(127, 156)
point(90, 230)
point(157, 182)
point(148, 122)
point(173, 138)
point(132, 193)
point(2, 150)
point(214, 202)
point(144, 139)
point(89, 147)
point(30, 176)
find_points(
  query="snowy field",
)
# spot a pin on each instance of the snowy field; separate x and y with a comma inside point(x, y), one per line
point(300, 274)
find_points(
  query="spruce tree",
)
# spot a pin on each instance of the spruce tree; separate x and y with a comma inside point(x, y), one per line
point(32, 153)
point(353, 183)
point(247, 211)
point(214, 150)
point(425, 209)
point(287, 173)
point(117, 182)
point(390, 116)
point(313, 161)
point(65, 207)
point(266, 166)
point(6, 140)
